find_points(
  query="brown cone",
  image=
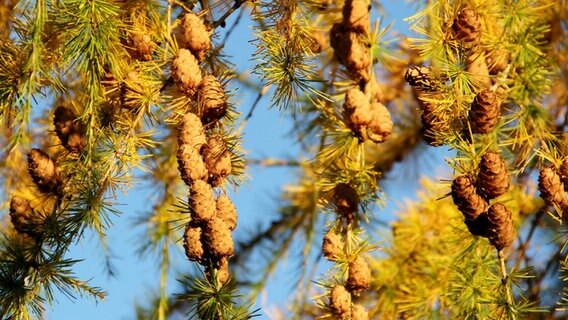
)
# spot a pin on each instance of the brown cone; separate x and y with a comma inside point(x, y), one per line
point(212, 100)
point(186, 72)
point(190, 132)
point(201, 201)
point(190, 164)
point(340, 300)
point(467, 28)
point(466, 199)
point(497, 61)
point(484, 112)
point(140, 46)
point(356, 16)
point(218, 238)
point(217, 159)
point(380, 127)
point(192, 243)
point(20, 214)
point(564, 173)
point(433, 126)
point(493, 179)
point(345, 199)
point(43, 172)
point(226, 211)
point(68, 130)
point(195, 36)
point(358, 312)
point(421, 79)
point(551, 187)
point(351, 51)
point(501, 231)
point(332, 247)
point(359, 275)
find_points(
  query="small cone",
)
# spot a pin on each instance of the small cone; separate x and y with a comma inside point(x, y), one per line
point(21, 214)
point(359, 275)
point(43, 172)
point(493, 179)
point(380, 127)
point(484, 112)
point(358, 312)
point(467, 28)
point(190, 164)
point(340, 300)
point(332, 247)
point(192, 243)
point(202, 204)
point(195, 36)
point(497, 61)
point(551, 187)
point(564, 173)
point(212, 100)
point(356, 16)
point(69, 131)
point(140, 46)
point(501, 231)
point(358, 112)
point(351, 51)
point(226, 211)
point(466, 199)
point(345, 199)
point(190, 132)
point(421, 79)
point(186, 72)
point(218, 238)
point(217, 159)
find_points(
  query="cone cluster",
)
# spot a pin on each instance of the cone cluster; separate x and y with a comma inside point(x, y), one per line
point(484, 112)
point(204, 160)
point(359, 279)
point(44, 172)
point(366, 116)
point(69, 130)
point(551, 184)
point(472, 199)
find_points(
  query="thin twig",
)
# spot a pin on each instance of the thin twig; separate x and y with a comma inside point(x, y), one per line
point(221, 21)
point(271, 162)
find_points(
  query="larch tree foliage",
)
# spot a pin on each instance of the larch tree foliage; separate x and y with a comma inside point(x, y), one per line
point(95, 94)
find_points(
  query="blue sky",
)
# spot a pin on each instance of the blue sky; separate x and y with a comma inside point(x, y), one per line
point(266, 134)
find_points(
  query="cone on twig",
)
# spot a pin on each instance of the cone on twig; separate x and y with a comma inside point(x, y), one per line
point(551, 187)
point(186, 72)
point(68, 129)
point(470, 204)
point(195, 35)
point(484, 112)
point(501, 231)
point(340, 300)
point(351, 51)
point(190, 164)
point(202, 203)
point(226, 211)
point(43, 172)
point(217, 159)
point(21, 214)
point(218, 239)
point(346, 199)
point(493, 179)
point(421, 79)
point(332, 247)
point(359, 275)
point(190, 132)
point(212, 100)
point(467, 28)
point(192, 243)
point(369, 120)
